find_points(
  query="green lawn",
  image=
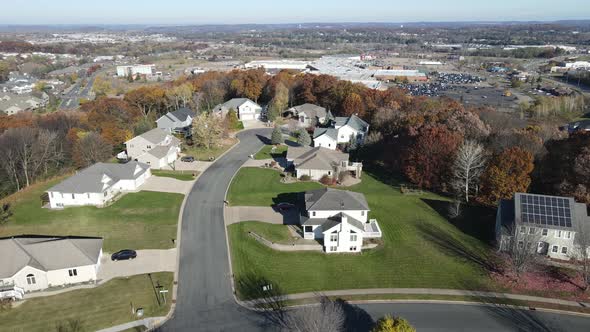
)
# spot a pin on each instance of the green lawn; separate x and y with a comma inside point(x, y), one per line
point(104, 306)
point(262, 187)
point(179, 175)
point(420, 247)
point(267, 153)
point(272, 232)
point(137, 220)
point(203, 154)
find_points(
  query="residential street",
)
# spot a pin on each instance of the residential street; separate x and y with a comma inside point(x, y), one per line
point(205, 301)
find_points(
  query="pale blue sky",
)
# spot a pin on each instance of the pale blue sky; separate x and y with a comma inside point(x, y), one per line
point(281, 11)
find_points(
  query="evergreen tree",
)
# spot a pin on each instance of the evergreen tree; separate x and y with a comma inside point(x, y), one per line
point(303, 138)
point(277, 136)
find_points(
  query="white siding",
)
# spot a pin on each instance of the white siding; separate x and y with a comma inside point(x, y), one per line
point(59, 200)
point(20, 279)
point(247, 111)
point(344, 238)
point(360, 215)
point(62, 277)
point(325, 141)
point(315, 174)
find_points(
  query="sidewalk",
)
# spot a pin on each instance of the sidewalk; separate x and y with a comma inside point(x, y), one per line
point(149, 323)
point(427, 291)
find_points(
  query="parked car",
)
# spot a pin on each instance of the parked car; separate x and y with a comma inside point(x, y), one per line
point(187, 159)
point(124, 255)
point(284, 206)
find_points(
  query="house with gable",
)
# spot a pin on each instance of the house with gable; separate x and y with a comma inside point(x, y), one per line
point(179, 121)
point(309, 115)
point(317, 162)
point(245, 108)
point(157, 148)
point(338, 218)
point(343, 130)
point(98, 184)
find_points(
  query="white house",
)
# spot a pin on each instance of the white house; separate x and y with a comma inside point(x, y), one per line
point(317, 162)
point(98, 184)
point(178, 121)
point(124, 71)
point(14, 103)
point(156, 148)
point(339, 218)
point(245, 108)
point(551, 225)
point(33, 263)
point(346, 130)
point(310, 115)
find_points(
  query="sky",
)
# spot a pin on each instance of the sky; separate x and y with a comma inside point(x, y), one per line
point(185, 12)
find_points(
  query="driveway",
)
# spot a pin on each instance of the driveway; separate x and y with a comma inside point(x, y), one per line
point(235, 214)
point(166, 185)
point(147, 261)
point(199, 166)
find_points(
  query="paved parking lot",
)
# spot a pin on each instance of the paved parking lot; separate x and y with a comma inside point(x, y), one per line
point(166, 185)
point(147, 261)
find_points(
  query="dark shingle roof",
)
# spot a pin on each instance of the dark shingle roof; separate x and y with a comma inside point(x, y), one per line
point(330, 132)
point(319, 158)
point(311, 110)
point(329, 199)
point(353, 121)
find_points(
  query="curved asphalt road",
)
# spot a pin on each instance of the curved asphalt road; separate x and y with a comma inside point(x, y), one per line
point(205, 301)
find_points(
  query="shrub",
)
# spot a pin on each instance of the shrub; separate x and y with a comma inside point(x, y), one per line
point(305, 178)
point(327, 180)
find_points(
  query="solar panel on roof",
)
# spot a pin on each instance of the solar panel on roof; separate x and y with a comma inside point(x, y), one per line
point(545, 210)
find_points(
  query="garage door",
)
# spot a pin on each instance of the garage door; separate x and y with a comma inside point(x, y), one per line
point(247, 117)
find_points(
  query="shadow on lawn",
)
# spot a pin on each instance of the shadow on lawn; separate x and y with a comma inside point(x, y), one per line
point(264, 139)
point(476, 221)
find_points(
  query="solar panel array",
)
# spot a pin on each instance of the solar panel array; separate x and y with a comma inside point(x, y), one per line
point(545, 210)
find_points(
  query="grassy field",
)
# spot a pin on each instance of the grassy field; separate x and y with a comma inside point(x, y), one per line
point(272, 232)
point(179, 175)
point(203, 154)
point(143, 220)
point(262, 187)
point(420, 247)
point(104, 306)
point(267, 153)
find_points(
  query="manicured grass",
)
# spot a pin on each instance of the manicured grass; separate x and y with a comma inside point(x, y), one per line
point(137, 220)
point(262, 187)
point(104, 306)
point(203, 154)
point(267, 153)
point(272, 232)
point(420, 247)
point(179, 175)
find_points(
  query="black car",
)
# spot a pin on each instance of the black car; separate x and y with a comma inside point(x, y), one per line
point(187, 159)
point(123, 255)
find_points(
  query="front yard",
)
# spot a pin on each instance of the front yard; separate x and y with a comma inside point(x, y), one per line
point(96, 308)
point(420, 247)
point(203, 154)
point(267, 152)
point(178, 175)
point(143, 220)
point(262, 187)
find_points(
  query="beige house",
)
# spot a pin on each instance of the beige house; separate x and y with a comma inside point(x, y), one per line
point(317, 162)
point(157, 148)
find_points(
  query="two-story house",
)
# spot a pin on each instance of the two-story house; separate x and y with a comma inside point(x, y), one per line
point(339, 218)
point(317, 162)
point(179, 121)
point(156, 148)
point(245, 108)
point(344, 130)
point(552, 224)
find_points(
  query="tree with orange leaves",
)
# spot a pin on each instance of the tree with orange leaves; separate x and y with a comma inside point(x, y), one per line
point(507, 173)
point(147, 99)
point(353, 104)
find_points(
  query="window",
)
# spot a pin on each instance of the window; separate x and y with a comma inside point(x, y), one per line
point(51, 195)
point(148, 147)
point(564, 250)
point(554, 249)
point(520, 244)
point(532, 230)
point(329, 173)
point(333, 237)
point(105, 194)
point(88, 195)
point(73, 272)
point(528, 245)
point(523, 229)
point(353, 237)
point(557, 234)
point(31, 279)
point(313, 213)
point(363, 213)
point(541, 245)
point(568, 235)
point(73, 196)
point(545, 231)
point(333, 248)
point(307, 229)
point(353, 248)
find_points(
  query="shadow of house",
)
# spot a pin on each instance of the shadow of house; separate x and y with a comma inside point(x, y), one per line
point(264, 139)
point(291, 143)
point(476, 221)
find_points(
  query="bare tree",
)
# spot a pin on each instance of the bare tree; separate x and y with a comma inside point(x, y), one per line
point(468, 166)
point(582, 252)
point(328, 316)
point(91, 149)
point(207, 129)
point(523, 248)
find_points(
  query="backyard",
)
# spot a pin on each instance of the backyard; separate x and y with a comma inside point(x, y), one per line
point(143, 220)
point(420, 247)
point(104, 306)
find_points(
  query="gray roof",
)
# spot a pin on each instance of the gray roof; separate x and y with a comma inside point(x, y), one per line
point(47, 253)
point(319, 158)
point(330, 132)
point(156, 135)
point(160, 151)
point(330, 222)
point(353, 121)
point(232, 104)
point(329, 199)
point(311, 110)
point(177, 116)
point(89, 180)
point(23, 102)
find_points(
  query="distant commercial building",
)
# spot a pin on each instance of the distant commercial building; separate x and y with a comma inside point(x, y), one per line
point(124, 71)
point(400, 74)
point(430, 63)
point(277, 65)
